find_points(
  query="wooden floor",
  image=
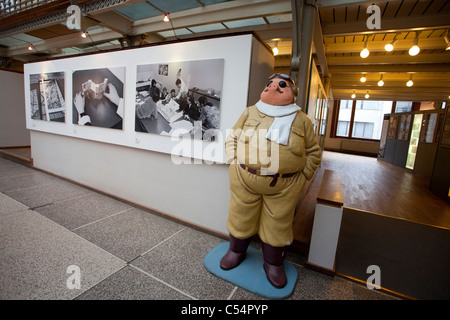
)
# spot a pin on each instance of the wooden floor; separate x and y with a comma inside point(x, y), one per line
point(21, 154)
point(375, 186)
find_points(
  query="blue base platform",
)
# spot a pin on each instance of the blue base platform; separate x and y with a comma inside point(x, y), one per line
point(250, 274)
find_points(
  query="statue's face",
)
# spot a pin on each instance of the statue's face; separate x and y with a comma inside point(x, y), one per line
point(277, 92)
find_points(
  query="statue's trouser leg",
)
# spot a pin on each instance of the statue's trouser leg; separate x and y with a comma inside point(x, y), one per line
point(257, 208)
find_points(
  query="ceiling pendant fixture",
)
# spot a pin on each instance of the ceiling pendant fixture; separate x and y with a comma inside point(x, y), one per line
point(367, 95)
point(363, 78)
point(365, 52)
point(414, 50)
point(166, 17)
point(410, 83)
point(390, 46)
point(381, 82)
point(275, 49)
point(353, 94)
point(447, 41)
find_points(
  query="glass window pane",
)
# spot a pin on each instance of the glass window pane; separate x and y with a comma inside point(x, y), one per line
point(368, 120)
point(345, 113)
point(403, 106)
point(342, 128)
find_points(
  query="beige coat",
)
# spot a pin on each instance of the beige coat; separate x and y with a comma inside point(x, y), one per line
point(247, 144)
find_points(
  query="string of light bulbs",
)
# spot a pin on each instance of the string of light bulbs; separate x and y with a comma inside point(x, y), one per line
point(413, 51)
point(380, 83)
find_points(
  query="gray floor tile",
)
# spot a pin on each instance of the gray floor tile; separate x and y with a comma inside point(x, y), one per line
point(36, 253)
point(8, 205)
point(10, 168)
point(179, 262)
point(313, 285)
point(166, 258)
point(131, 284)
point(47, 194)
point(243, 294)
point(24, 181)
point(129, 233)
point(77, 212)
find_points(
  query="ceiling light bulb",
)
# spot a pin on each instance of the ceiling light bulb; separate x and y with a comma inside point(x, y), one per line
point(30, 47)
point(275, 51)
point(363, 79)
point(166, 17)
point(389, 47)
point(83, 34)
point(381, 82)
point(414, 50)
point(353, 96)
point(367, 96)
point(364, 53)
point(409, 83)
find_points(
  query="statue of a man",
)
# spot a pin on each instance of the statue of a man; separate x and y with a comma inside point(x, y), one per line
point(272, 152)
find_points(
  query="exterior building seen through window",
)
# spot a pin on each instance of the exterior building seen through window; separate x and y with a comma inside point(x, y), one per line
point(362, 119)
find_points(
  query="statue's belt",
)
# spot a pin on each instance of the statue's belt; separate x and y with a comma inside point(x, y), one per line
point(264, 173)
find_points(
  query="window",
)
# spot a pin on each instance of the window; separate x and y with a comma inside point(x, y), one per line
point(361, 119)
point(342, 128)
point(363, 130)
point(345, 113)
point(403, 106)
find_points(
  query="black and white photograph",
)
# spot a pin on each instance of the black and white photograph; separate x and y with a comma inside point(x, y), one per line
point(185, 98)
point(47, 96)
point(98, 97)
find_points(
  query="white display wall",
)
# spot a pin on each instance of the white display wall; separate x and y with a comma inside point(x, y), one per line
point(234, 53)
point(145, 168)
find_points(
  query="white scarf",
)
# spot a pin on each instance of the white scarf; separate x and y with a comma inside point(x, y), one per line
point(284, 116)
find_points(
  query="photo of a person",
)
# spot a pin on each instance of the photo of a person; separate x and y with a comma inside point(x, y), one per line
point(187, 97)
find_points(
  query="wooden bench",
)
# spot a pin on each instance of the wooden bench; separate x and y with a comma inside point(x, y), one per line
point(330, 192)
point(327, 223)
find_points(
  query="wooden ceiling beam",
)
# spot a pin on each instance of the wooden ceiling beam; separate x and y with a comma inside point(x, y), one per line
point(413, 23)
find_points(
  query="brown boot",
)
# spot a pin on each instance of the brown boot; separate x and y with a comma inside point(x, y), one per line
point(235, 254)
point(273, 264)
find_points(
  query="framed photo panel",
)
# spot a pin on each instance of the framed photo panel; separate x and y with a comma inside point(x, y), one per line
point(179, 97)
point(98, 97)
point(47, 100)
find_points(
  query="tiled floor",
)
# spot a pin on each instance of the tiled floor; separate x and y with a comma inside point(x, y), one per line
point(48, 225)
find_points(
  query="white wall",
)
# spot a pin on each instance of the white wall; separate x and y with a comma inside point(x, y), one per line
point(195, 193)
point(13, 132)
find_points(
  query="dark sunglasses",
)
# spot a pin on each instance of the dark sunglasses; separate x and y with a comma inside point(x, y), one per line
point(281, 84)
point(283, 76)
